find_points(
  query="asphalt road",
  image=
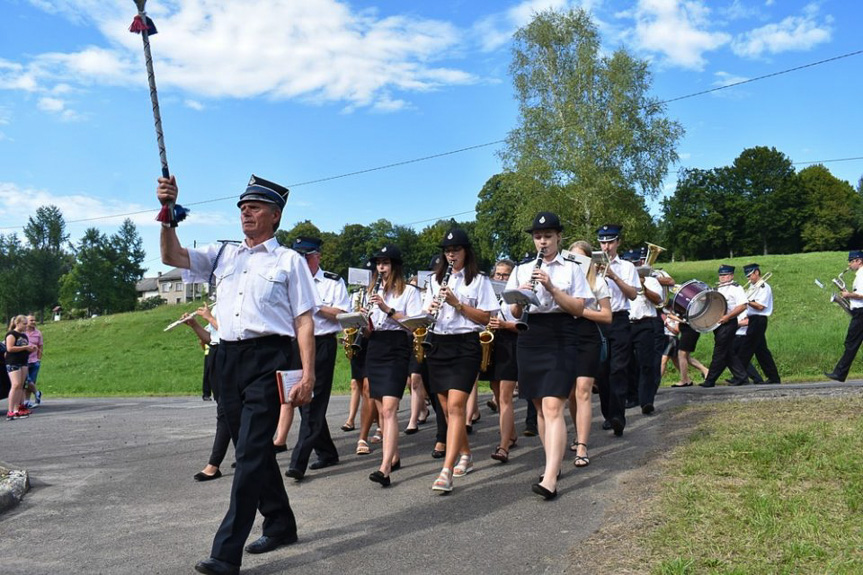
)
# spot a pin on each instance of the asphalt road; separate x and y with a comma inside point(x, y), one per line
point(112, 492)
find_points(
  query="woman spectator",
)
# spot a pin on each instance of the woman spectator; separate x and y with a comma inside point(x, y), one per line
point(18, 350)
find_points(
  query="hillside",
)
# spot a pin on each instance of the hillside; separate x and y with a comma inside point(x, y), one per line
point(129, 354)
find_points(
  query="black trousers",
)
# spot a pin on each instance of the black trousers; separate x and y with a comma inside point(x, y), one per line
point(207, 384)
point(853, 339)
point(314, 432)
point(756, 344)
point(648, 343)
point(613, 377)
point(245, 372)
point(723, 354)
point(440, 416)
point(223, 433)
point(750, 369)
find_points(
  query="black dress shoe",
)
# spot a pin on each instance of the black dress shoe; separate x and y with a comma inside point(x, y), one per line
point(833, 376)
point(705, 384)
point(295, 474)
point(396, 466)
point(280, 448)
point(606, 425)
point(216, 567)
point(411, 430)
point(201, 476)
point(542, 491)
point(647, 409)
point(379, 477)
point(265, 544)
point(438, 453)
point(530, 432)
point(741, 382)
point(770, 382)
point(617, 425)
point(322, 463)
point(469, 428)
point(630, 403)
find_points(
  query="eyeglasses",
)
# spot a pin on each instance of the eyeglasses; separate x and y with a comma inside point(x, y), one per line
point(501, 276)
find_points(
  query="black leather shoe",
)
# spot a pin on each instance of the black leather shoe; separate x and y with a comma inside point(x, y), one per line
point(617, 425)
point(606, 425)
point(647, 409)
point(543, 492)
point(264, 544)
point(438, 453)
point(280, 448)
point(216, 567)
point(741, 382)
point(201, 476)
point(705, 384)
point(379, 477)
point(630, 403)
point(771, 382)
point(295, 474)
point(530, 432)
point(833, 376)
point(322, 463)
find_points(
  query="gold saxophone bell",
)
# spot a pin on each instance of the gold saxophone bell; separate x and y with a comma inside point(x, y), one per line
point(348, 342)
point(486, 340)
point(420, 334)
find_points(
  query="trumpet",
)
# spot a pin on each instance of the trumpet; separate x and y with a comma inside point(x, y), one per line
point(751, 289)
point(600, 262)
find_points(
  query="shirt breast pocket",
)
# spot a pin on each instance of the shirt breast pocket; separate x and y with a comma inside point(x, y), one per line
point(224, 273)
point(271, 285)
point(467, 295)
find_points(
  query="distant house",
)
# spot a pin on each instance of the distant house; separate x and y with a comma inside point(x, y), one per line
point(170, 287)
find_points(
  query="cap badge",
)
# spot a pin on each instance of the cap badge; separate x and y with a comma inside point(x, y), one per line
point(542, 220)
point(604, 228)
point(449, 237)
point(383, 250)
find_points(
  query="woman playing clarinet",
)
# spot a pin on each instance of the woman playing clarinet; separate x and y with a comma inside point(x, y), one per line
point(461, 300)
point(546, 351)
point(389, 349)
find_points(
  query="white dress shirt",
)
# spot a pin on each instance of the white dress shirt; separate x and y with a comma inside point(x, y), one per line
point(479, 294)
point(600, 292)
point(626, 271)
point(333, 293)
point(260, 290)
point(764, 296)
point(641, 307)
point(408, 303)
point(734, 295)
point(565, 275)
point(857, 287)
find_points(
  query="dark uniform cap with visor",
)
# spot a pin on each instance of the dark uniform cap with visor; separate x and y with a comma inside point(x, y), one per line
point(261, 190)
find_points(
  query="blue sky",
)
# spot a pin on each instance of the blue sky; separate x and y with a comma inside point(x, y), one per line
point(302, 90)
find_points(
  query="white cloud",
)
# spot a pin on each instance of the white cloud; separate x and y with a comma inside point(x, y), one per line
point(18, 203)
point(496, 30)
point(797, 33)
point(51, 104)
point(677, 29)
point(726, 79)
point(194, 105)
point(318, 51)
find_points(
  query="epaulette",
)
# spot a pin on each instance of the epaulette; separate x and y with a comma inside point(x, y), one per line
point(735, 284)
point(482, 273)
point(569, 256)
point(332, 276)
point(527, 259)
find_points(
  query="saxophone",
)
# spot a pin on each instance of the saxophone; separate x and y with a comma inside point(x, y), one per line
point(486, 340)
point(351, 337)
point(421, 343)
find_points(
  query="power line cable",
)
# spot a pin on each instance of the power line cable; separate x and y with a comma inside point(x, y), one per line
point(495, 142)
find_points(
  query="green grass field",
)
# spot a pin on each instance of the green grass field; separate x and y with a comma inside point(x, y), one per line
point(129, 354)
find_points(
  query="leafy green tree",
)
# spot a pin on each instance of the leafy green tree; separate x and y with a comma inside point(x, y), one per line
point(832, 206)
point(589, 135)
point(46, 260)
point(14, 297)
point(127, 253)
point(303, 228)
point(764, 177)
point(89, 284)
point(500, 222)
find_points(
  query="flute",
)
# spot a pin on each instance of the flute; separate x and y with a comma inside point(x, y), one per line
point(181, 320)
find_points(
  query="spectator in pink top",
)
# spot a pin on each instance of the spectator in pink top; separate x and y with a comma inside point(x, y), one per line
point(34, 362)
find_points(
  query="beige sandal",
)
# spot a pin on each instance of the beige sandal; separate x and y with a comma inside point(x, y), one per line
point(363, 447)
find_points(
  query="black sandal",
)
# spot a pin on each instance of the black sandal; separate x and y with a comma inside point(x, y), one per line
point(581, 460)
point(500, 454)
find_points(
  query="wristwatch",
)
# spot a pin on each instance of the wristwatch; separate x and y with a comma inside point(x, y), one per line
point(459, 306)
point(392, 312)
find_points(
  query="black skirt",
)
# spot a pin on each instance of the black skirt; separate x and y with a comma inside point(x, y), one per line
point(688, 338)
point(453, 362)
point(504, 366)
point(589, 343)
point(387, 360)
point(547, 356)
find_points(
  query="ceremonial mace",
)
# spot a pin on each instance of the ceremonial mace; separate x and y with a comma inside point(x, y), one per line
point(170, 214)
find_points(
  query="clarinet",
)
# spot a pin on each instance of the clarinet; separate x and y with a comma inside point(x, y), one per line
point(441, 296)
point(521, 323)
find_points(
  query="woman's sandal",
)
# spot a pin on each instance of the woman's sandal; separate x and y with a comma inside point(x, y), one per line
point(500, 454)
point(581, 460)
point(378, 436)
point(363, 447)
point(443, 482)
point(348, 427)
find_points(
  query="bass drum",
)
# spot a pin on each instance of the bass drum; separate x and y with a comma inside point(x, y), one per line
point(699, 305)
